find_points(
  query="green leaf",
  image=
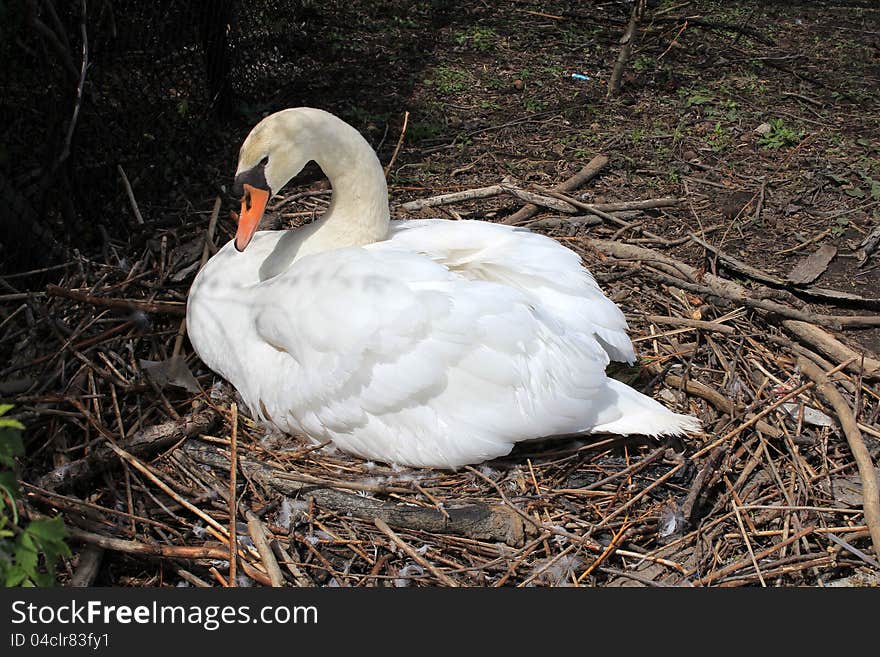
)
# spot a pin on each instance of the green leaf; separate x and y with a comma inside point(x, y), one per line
point(855, 192)
point(15, 575)
point(10, 447)
point(48, 532)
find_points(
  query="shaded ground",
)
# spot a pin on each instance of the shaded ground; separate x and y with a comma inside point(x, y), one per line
point(764, 119)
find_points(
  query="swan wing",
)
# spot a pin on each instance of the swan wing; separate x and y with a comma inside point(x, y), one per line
point(396, 357)
point(539, 267)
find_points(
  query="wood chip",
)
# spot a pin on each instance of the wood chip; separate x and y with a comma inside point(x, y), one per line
point(813, 266)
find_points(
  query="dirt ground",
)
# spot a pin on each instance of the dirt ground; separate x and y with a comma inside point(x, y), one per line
point(762, 119)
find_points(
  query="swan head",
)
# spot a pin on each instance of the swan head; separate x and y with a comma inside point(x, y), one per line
point(275, 151)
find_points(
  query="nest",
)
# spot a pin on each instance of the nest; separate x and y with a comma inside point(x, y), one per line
point(157, 470)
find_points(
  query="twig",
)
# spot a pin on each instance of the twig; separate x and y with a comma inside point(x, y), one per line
point(477, 521)
point(870, 486)
point(415, 556)
point(732, 568)
point(455, 197)
point(65, 153)
point(206, 253)
point(258, 536)
point(399, 144)
point(89, 564)
point(833, 348)
point(590, 171)
point(143, 443)
point(131, 199)
point(233, 492)
point(150, 549)
point(163, 307)
point(715, 327)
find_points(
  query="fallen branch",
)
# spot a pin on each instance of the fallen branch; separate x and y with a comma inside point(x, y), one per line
point(590, 171)
point(488, 192)
point(477, 521)
point(831, 296)
point(142, 444)
point(399, 144)
point(833, 348)
point(455, 197)
point(674, 272)
point(600, 211)
point(258, 536)
point(413, 554)
point(870, 485)
point(163, 307)
point(130, 193)
point(148, 549)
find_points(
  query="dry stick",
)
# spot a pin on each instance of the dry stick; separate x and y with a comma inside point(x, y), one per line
point(258, 536)
point(853, 550)
point(599, 212)
point(590, 171)
point(833, 348)
point(717, 327)
point(233, 507)
point(487, 192)
point(87, 570)
point(715, 398)
point(536, 199)
point(131, 199)
point(206, 253)
point(413, 554)
point(732, 568)
point(635, 499)
point(166, 307)
point(136, 547)
point(673, 271)
point(170, 491)
point(79, 90)
point(742, 529)
point(144, 443)
point(833, 296)
point(754, 420)
point(478, 521)
point(615, 541)
point(626, 44)
point(870, 486)
point(455, 197)
point(399, 144)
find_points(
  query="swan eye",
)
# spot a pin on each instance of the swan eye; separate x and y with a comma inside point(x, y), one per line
point(264, 161)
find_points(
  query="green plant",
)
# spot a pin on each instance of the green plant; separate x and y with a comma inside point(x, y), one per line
point(449, 80)
point(718, 139)
point(21, 545)
point(480, 38)
point(533, 105)
point(643, 63)
point(779, 135)
point(839, 227)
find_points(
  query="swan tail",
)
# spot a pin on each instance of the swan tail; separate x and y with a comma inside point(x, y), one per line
point(636, 413)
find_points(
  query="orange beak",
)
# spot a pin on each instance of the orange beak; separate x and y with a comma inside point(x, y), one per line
point(253, 204)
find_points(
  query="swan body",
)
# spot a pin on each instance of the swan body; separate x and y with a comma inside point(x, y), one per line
point(425, 342)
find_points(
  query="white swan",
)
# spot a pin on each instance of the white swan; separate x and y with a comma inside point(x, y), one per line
point(424, 343)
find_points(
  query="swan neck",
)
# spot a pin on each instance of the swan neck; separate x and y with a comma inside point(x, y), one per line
point(358, 213)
